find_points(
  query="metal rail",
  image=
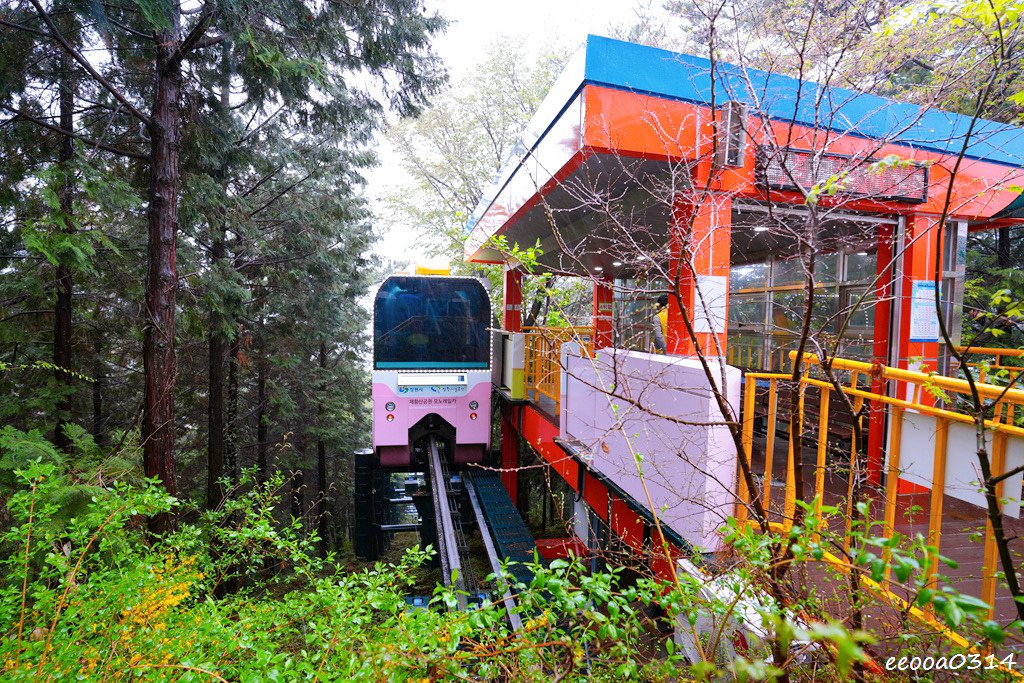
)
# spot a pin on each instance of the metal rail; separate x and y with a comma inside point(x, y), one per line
point(492, 554)
point(448, 534)
point(543, 357)
point(913, 394)
point(412, 526)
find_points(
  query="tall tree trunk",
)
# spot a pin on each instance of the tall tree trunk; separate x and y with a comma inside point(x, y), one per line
point(262, 436)
point(299, 472)
point(1003, 247)
point(99, 381)
point(323, 518)
point(62, 324)
point(231, 427)
point(215, 455)
point(161, 279)
point(215, 406)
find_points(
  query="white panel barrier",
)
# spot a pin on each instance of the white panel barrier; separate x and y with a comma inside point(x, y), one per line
point(917, 452)
point(652, 426)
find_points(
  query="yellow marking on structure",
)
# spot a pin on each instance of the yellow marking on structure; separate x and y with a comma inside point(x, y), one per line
point(990, 565)
point(791, 473)
point(543, 358)
point(433, 270)
point(892, 478)
point(749, 396)
point(769, 444)
point(819, 471)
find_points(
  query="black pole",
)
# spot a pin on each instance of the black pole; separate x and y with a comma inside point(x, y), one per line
point(364, 541)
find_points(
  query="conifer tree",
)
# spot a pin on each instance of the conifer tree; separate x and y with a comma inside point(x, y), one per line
point(301, 76)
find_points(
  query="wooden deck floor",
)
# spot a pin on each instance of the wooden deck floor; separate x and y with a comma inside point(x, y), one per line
point(963, 524)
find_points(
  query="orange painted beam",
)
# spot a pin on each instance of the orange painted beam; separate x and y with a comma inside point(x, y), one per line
point(512, 315)
point(602, 313)
point(700, 247)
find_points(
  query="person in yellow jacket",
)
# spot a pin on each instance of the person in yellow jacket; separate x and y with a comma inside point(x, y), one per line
point(661, 324)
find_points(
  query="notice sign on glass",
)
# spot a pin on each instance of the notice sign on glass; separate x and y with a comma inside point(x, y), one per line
point(924, 321)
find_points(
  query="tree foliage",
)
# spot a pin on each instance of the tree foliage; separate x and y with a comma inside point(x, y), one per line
point(217, 221)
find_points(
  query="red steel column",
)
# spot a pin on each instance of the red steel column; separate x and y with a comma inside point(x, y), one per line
point(699, 253)
point(880, 352)
point(512, 318)
point(603, 296)
point(920, 256)
point(512, 321)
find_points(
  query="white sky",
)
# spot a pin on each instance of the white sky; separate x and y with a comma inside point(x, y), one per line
point(475, 26)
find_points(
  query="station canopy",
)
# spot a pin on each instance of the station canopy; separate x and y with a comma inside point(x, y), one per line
point(613, 143)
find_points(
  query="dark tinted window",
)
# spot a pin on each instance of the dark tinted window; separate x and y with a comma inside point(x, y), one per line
point(431, 323)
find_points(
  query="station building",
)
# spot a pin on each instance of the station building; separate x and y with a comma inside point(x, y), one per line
point(646, 171)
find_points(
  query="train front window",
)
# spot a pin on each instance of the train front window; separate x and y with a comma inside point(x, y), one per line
point(431, 323)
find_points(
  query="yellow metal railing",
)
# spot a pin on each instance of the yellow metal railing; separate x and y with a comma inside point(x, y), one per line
point(745, 352)
point(543, 362)
point(996, 364)
point(920, 390)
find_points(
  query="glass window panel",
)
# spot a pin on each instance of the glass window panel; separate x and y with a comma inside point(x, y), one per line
point(857, 349)
point(431, 322)
point(861, 266)
point(863, 314)
point(787, 272)
point(826, 267)
point(826, 303)
point(748, 276)
point(779, 346)
point(787, 310)
point(746, 309)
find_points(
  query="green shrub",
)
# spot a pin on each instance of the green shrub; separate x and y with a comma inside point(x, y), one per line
point(237, 596)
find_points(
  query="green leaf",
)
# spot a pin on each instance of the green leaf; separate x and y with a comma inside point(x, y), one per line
point(993, 631)
point(156, 12)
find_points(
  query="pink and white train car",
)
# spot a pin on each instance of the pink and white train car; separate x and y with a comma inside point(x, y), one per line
point(431, 369)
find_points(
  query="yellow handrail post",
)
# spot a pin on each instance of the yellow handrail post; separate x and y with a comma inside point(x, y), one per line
point(990, 566)
point(819, 471)
point(749, 397)
point(543, 358)
point(937, 496)
point(769, 444)
point(791, 473)
point(892, 478)
point(858, 402)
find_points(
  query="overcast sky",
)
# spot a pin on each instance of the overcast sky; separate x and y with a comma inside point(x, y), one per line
point(475, 26)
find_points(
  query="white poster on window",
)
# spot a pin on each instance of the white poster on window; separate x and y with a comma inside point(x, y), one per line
point(709, 303)
point(924, 322)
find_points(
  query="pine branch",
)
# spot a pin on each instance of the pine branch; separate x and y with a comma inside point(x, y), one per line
point(77, 56)
point(84, 138)
point(22, 27)
point(280, 194)
point(262, 180)
point(195, 39)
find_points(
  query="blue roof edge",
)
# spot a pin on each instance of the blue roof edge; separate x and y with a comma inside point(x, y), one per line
point(662, 73)
point(613, 63)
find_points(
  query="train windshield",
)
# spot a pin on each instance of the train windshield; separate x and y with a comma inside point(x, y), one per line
point(431, 323)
